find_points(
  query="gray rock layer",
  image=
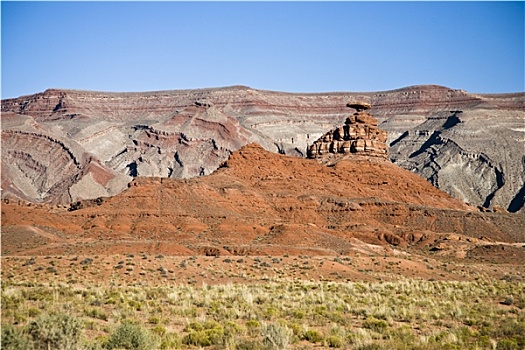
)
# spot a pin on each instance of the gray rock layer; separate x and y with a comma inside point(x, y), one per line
point(61, 146)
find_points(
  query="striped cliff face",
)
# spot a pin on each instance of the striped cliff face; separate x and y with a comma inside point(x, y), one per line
point(470, 145)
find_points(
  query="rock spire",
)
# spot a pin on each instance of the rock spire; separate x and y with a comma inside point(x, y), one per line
point(360, 135)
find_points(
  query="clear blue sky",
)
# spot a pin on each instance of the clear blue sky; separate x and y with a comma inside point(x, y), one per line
point(283, 46)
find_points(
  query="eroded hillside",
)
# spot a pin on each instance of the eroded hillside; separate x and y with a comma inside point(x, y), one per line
point(259, 203)
point(61, 146)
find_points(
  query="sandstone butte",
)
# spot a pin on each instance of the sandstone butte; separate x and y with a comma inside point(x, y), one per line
point(61, 146)
point(359, 136)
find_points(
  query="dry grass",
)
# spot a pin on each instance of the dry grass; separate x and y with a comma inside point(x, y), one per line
point(406, 314)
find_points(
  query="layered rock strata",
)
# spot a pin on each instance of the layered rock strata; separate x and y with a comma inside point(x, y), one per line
point(470, 145)
point(360, 135)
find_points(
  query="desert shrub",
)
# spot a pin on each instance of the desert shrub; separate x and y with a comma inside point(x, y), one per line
point(216, 335)
point(334, 341)
point(247, 344)
point(132, 337)
point(55, 331)
point(14, 338)
point(276, 336)
point(33, 312)
point(375, 325)
point(508, 344)
point(232, 328)
point(299, 314)
point(253, 327)
point(512, 331)
point(370, 347)
point(313, 336)
point(403, 334)
point(97, 313)
point(193, 326)
point(197, 338)
point(520, 302)
point(297, 329)
point(159, 329)
point(170, 341)
point(209, 333)
point(153, 320)
point(37, 294)
point(95, 344)
point(271, 312)
point(211, 325)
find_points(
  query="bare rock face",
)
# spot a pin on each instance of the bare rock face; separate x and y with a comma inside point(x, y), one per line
point(470, 145)
point(39, 168)
point(359, 106)
point(360, 136)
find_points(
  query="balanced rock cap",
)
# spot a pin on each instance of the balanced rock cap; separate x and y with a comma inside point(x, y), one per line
point(359, 105)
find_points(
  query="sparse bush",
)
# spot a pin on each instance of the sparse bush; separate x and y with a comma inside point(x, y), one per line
point(170, 341)
point(249, 345)
point(406, 314)
point(313, 336)
point(334, 341)
point(130, 336)
point(13, 338)
point(159, 330)
point(276, 336)
point(232, 328)
point(508, 344)
point(193, 326)
point(198, 338)
point(375, 325)
point(216, 335)
point(209, 333)
point(97, 313)
point(253, 327)
point(33, 312)
point(299, 314)
point(296, 329)
point(55, 331)
point(153, 320)
point(370, 347)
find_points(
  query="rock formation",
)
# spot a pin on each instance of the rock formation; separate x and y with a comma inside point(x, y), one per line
point(360, 136)
point(470, 145)
point(260, 203)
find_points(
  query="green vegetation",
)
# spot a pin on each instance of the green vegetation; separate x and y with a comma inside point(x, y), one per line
point(408, 314)
point(132, 337)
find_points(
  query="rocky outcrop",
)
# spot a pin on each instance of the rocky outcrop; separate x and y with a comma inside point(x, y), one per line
point(360, 136)
point(258, 202)
point(470, 145)
point(39, 168)
point(475, 155)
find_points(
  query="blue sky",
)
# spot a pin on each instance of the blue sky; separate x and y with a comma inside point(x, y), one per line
point(283, 46)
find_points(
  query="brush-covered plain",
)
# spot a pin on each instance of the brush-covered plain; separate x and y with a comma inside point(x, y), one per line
point(410, 313)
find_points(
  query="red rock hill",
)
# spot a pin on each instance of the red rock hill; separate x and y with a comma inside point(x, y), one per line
point(257, 202)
